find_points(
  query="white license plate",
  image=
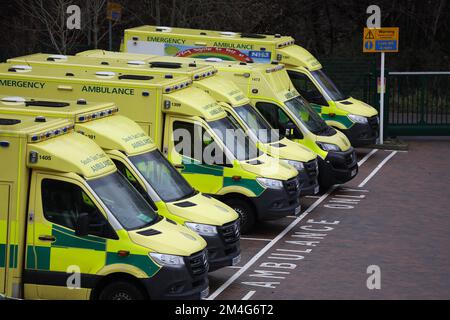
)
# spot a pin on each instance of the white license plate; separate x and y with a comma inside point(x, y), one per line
point(298, 210)
point(354, 172)
point(236, 260)
point(316, 190)
point(204, 294)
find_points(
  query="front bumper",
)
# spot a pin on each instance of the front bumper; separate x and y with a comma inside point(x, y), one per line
point(308, 179)
point(278, 203)
point(182, 283)
point(361, 135)
point(224, 247)
point(338, 168)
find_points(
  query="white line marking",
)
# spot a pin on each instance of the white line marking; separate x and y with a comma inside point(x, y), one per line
point(287, 229)
point(248, 295)
point(256, 239)
point(269, 245)
point(375, 171)
point(371, 153)
point(234, 267)
point(312, 197)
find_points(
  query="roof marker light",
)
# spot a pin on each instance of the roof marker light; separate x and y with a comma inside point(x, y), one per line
point(212, 59)
point(22, 67)
point(163, 29)
point(136, 62)
point(228, 33)
point(105, 73)
point(13, 99)
point(55, 57)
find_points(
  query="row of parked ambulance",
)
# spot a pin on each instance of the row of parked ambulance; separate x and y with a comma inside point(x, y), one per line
point(120, 178)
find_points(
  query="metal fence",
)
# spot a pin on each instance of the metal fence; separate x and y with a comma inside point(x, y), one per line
point(417, 103)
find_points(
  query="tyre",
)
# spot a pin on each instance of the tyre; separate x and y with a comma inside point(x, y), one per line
point(246, 213)
point(121, 290)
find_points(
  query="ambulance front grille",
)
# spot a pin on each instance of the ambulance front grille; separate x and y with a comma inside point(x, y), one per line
point(198, 263)
point(230, 232)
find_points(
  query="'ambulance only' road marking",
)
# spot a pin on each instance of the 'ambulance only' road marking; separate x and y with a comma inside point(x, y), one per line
point(264, 250)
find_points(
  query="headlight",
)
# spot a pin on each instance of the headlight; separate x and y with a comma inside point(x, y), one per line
point(358, 119)
point(328, 146)
point(296, 164)
point(202, 229)
point(270, 183)
point(167, 259)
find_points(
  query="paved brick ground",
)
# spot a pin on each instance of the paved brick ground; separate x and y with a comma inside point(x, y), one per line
point(401, 225)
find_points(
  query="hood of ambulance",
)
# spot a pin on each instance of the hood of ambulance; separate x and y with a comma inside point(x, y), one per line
point(222, 90)
point(117, 133)
point(72, 152)
point(357, 107)
point(288, 150)
point(269, 168)
point(205, 210)
point(295, 55)
point(194, 102)
point(338, 139)
point(172, 239)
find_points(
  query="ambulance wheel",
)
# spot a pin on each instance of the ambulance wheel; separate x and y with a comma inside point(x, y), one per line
point(121, 290)
point(246, 213)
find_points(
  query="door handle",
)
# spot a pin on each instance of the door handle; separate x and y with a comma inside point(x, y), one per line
point(179, 166)
point(47, 238)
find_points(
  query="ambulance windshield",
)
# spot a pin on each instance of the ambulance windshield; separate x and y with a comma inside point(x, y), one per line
point(168, 183)
point(234, 138)
point(124, 202)
point(257, 124)
point(305, 114)
point(328, 85)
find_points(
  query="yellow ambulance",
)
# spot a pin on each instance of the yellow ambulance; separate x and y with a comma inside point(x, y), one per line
point(270, 90)
point(137, 158)
point(190, 128)
point(356, 119)
point(236, 104)
point(65, 233)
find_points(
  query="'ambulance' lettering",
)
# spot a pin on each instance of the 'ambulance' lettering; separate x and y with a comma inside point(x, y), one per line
point(107, 90)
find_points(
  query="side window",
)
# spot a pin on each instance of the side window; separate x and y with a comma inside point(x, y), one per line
point(187, 148)
point(306, 88)
point(183, 147)
point(278, 119)
point(62, 202)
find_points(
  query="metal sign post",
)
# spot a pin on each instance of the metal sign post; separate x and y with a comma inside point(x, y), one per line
point(381, 40)
point(113, 13)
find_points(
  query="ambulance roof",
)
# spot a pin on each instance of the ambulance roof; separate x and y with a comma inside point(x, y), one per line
point(111, 61)
point(80, 75)
point(112, 133)
point(212, 35)
point(29, 126)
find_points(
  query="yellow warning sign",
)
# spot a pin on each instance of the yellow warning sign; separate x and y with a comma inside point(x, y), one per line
point(113, 11)
point(381, 40)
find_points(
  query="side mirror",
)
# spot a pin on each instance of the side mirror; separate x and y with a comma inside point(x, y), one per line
point(289, 129)
point(82, 225)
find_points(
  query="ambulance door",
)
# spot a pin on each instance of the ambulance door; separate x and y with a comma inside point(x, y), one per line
point(63, 260)
point(4, 208)
point(185, 150)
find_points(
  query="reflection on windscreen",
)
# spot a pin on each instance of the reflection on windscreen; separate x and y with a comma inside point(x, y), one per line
point(124, 202)
point(303, 111)
point(168, 183)
point(328, 85)
point(234, 138)
point(257, 124)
